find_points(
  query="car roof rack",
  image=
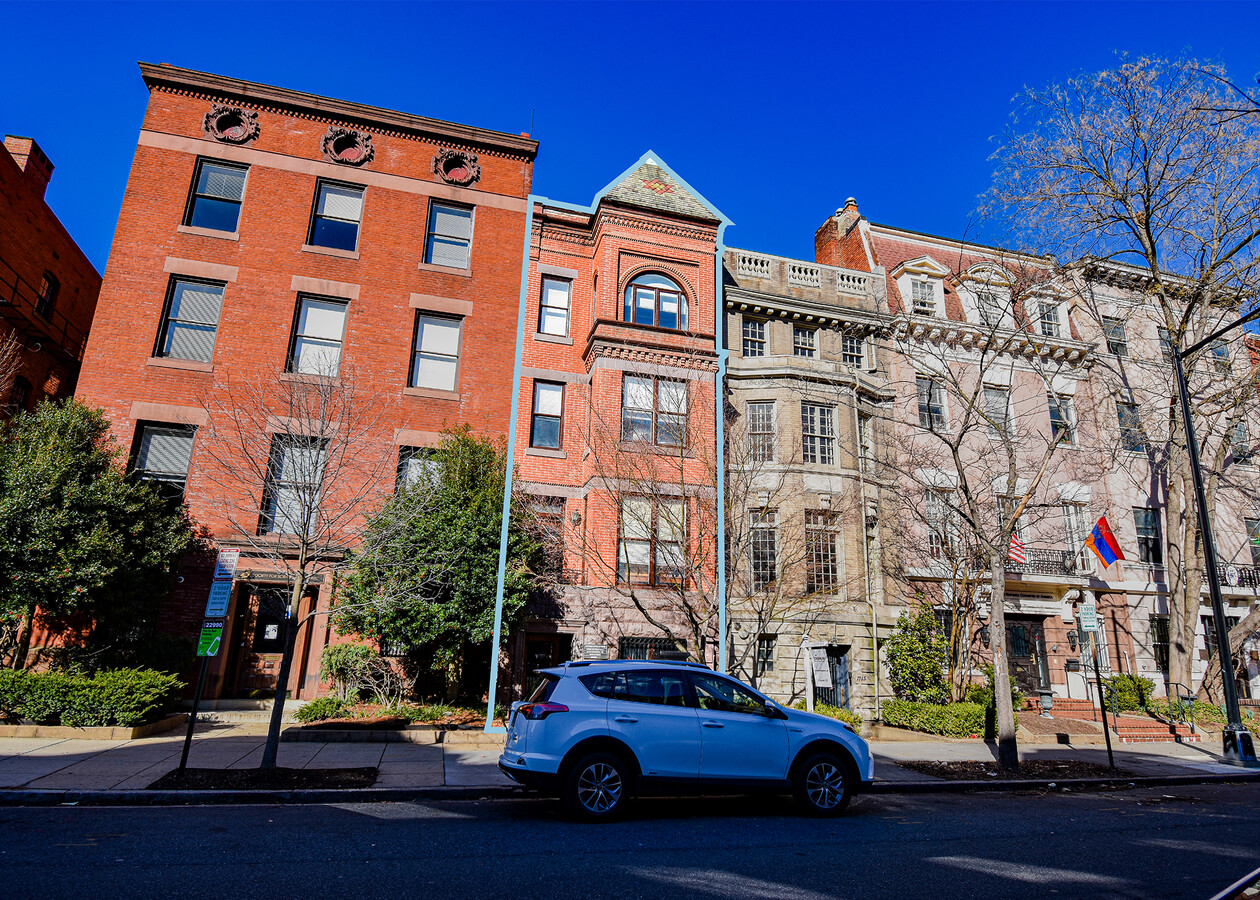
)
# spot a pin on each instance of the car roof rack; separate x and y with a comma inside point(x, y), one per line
point(581, 663)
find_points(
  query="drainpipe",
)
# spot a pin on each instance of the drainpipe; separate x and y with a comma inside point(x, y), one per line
point(866, 553)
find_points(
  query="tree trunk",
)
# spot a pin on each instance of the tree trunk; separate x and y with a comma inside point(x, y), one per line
point(24, 638)
point(272, 748)
point(1008, 747)
point(1212, 688)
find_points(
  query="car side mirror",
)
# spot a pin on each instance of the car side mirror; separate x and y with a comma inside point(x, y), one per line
point(770, 711)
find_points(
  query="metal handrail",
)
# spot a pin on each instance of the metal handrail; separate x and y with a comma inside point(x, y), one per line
point(19, 294)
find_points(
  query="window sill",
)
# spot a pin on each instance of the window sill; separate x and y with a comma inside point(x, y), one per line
point(430, 393)
point(446, 270)
point(208, 232)
point(330, 251)
point(547, 452)
point(188, 365)
point(553, 339)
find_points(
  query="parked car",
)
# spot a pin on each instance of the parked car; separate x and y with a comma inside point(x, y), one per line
point(599, 733)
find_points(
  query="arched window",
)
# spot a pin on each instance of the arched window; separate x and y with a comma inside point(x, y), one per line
point(653, 299)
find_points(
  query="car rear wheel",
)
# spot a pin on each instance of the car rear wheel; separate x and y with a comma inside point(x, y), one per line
point(597, 787)
point(822, 785)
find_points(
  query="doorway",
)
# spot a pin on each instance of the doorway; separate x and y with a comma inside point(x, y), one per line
point(542, 651)
point(1026, 649)
point(840, 693)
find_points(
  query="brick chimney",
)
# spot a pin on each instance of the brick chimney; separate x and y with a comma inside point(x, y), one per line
point(31, 160)
point(837, 243)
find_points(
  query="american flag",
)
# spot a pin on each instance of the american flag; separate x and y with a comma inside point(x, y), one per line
point(1016, 551)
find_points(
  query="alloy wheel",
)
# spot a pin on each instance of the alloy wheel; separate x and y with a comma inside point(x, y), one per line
point(824, 785)
point(599, 788)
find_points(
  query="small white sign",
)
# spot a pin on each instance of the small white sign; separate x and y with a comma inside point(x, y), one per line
point(1089, 617)
point(225, 566)
point(822, 667)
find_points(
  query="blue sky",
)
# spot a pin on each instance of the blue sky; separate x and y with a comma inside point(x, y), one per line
point(776, 112)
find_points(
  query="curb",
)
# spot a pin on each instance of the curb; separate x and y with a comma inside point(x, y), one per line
point(503, 792)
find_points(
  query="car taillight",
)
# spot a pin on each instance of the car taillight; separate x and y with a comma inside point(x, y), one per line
point(541, 710)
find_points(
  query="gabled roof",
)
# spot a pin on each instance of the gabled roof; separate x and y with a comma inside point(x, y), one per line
point(651, 184)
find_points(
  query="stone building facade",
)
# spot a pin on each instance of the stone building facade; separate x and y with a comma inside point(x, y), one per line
point(271, 237)
point(48, 288)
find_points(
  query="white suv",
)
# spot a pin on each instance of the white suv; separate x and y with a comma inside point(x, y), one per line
point(597, 733)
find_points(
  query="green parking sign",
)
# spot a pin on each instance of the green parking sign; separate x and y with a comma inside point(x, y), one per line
point(211, 638)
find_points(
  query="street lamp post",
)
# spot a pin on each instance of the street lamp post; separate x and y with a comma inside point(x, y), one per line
point(1239, 747)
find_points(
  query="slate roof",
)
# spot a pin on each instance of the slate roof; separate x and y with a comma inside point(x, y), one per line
point(653, 187)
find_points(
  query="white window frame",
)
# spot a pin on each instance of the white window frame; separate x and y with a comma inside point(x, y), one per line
point(551, 314)
point(414, 377)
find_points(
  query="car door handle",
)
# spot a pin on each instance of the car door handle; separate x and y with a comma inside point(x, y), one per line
point(712, 724)
point(624, 719)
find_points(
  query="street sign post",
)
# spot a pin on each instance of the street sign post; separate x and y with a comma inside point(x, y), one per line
point(211, 637)
point(220, 597)
point(1090, 623)
point(225, 565)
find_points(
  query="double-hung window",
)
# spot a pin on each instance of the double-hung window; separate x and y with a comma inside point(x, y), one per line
point(852, 351)
point(49, 287)
point(765, 654)
point(761, 431)
point(1050, 324)
point(435, 355)
point(1062, 418)
point(338, 212)
point(931, 403)
point(294, 485)
point(544, 429)
point(318, 332)
point(1253, 539)
point(990, 307)
point(1130, 421)
point(1240, 445)
point(654, 410)
point(417, 466)
point(942, 525)
point(1150, 546)
point(1165, 343)
point(553, 312)
point(1117, 338)
point(818, 434)
point(1220, 354)
point(754, 337)
point(163, 455)
point(997, 402)
point(1075, 532)
point(653, 536)
point(763, 533)
point(450, 236)
point(923, 298)
point(191, 320)
point(218, 189)
point(822, 558)
point(804, 341)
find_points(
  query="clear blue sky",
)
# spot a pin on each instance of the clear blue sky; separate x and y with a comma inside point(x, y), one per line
point(776, 112)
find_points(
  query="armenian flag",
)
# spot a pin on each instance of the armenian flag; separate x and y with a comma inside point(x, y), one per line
point(1104, 544)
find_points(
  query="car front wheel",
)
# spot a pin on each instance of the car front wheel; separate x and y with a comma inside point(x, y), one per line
point(597, 787)
point(822, 785)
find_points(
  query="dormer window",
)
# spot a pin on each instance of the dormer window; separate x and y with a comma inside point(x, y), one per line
point(923, 298)
point(653, 299)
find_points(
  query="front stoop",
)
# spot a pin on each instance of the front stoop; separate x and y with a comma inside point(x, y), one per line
point(1134, 730)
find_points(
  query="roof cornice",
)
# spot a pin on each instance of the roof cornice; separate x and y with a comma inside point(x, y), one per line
point(250, 92)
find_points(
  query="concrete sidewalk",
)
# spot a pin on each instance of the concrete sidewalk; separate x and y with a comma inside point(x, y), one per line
point(83, 765)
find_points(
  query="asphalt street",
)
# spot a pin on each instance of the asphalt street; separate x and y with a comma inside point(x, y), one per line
point(1160, 842)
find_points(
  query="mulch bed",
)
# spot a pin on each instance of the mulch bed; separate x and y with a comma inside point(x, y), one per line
point(277, 779)
point(1034, 769)
point(1035, 724)
point(378, 723)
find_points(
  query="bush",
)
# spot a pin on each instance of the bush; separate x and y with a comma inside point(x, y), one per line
point(347, 667)
point(848, 716)
point(1128, 692)
point(983, 693)
point(948, 719)
point(121, 697)
point(323, 708)
point(918, 657)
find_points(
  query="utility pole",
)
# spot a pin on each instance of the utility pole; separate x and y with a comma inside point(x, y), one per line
point(1239, 747)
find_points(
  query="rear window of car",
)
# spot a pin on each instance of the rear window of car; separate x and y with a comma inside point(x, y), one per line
point(600, 684)
point(542, 693)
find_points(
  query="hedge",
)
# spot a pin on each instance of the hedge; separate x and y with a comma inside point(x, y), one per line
point(848, 716)
point(122, 697)
point(949, 719)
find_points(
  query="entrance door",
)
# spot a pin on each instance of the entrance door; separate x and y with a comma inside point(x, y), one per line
point(542, 651)
point(839, 693)
point(1026, 647)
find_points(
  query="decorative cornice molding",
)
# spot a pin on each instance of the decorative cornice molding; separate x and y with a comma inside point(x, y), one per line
point(231, 124)
point(457, 167)
point(347, 146)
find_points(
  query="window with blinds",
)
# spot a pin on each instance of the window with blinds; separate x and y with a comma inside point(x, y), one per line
point(317, 336)
point(544, 428)
point(553, 313)
point(191, 320)
point(435, 358)
point(164, 453)
point(218, 189)
point(450, 236)
point(338, 213)
point(294, 485)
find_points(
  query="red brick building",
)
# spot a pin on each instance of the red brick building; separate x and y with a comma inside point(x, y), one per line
point(615, 427)
point(271, 236)
point(48, 289)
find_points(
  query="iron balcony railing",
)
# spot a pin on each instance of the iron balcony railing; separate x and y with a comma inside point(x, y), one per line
point(1047, 562)
point(1236, 576)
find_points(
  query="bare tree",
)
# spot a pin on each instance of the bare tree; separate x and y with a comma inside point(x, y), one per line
point(987, 420)
point(1149, 168)
point(298, 462)
point(11, 347)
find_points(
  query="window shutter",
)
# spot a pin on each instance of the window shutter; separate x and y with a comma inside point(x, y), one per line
point(222, 182)
point(447, 252)
point(549, 398)
point(322, 319)
point(199, 303)
point(340, 203)
point(450, 221)
point(165, 451)
point(439, 336)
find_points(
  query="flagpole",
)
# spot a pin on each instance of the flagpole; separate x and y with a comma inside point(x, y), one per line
point(1238, 745)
